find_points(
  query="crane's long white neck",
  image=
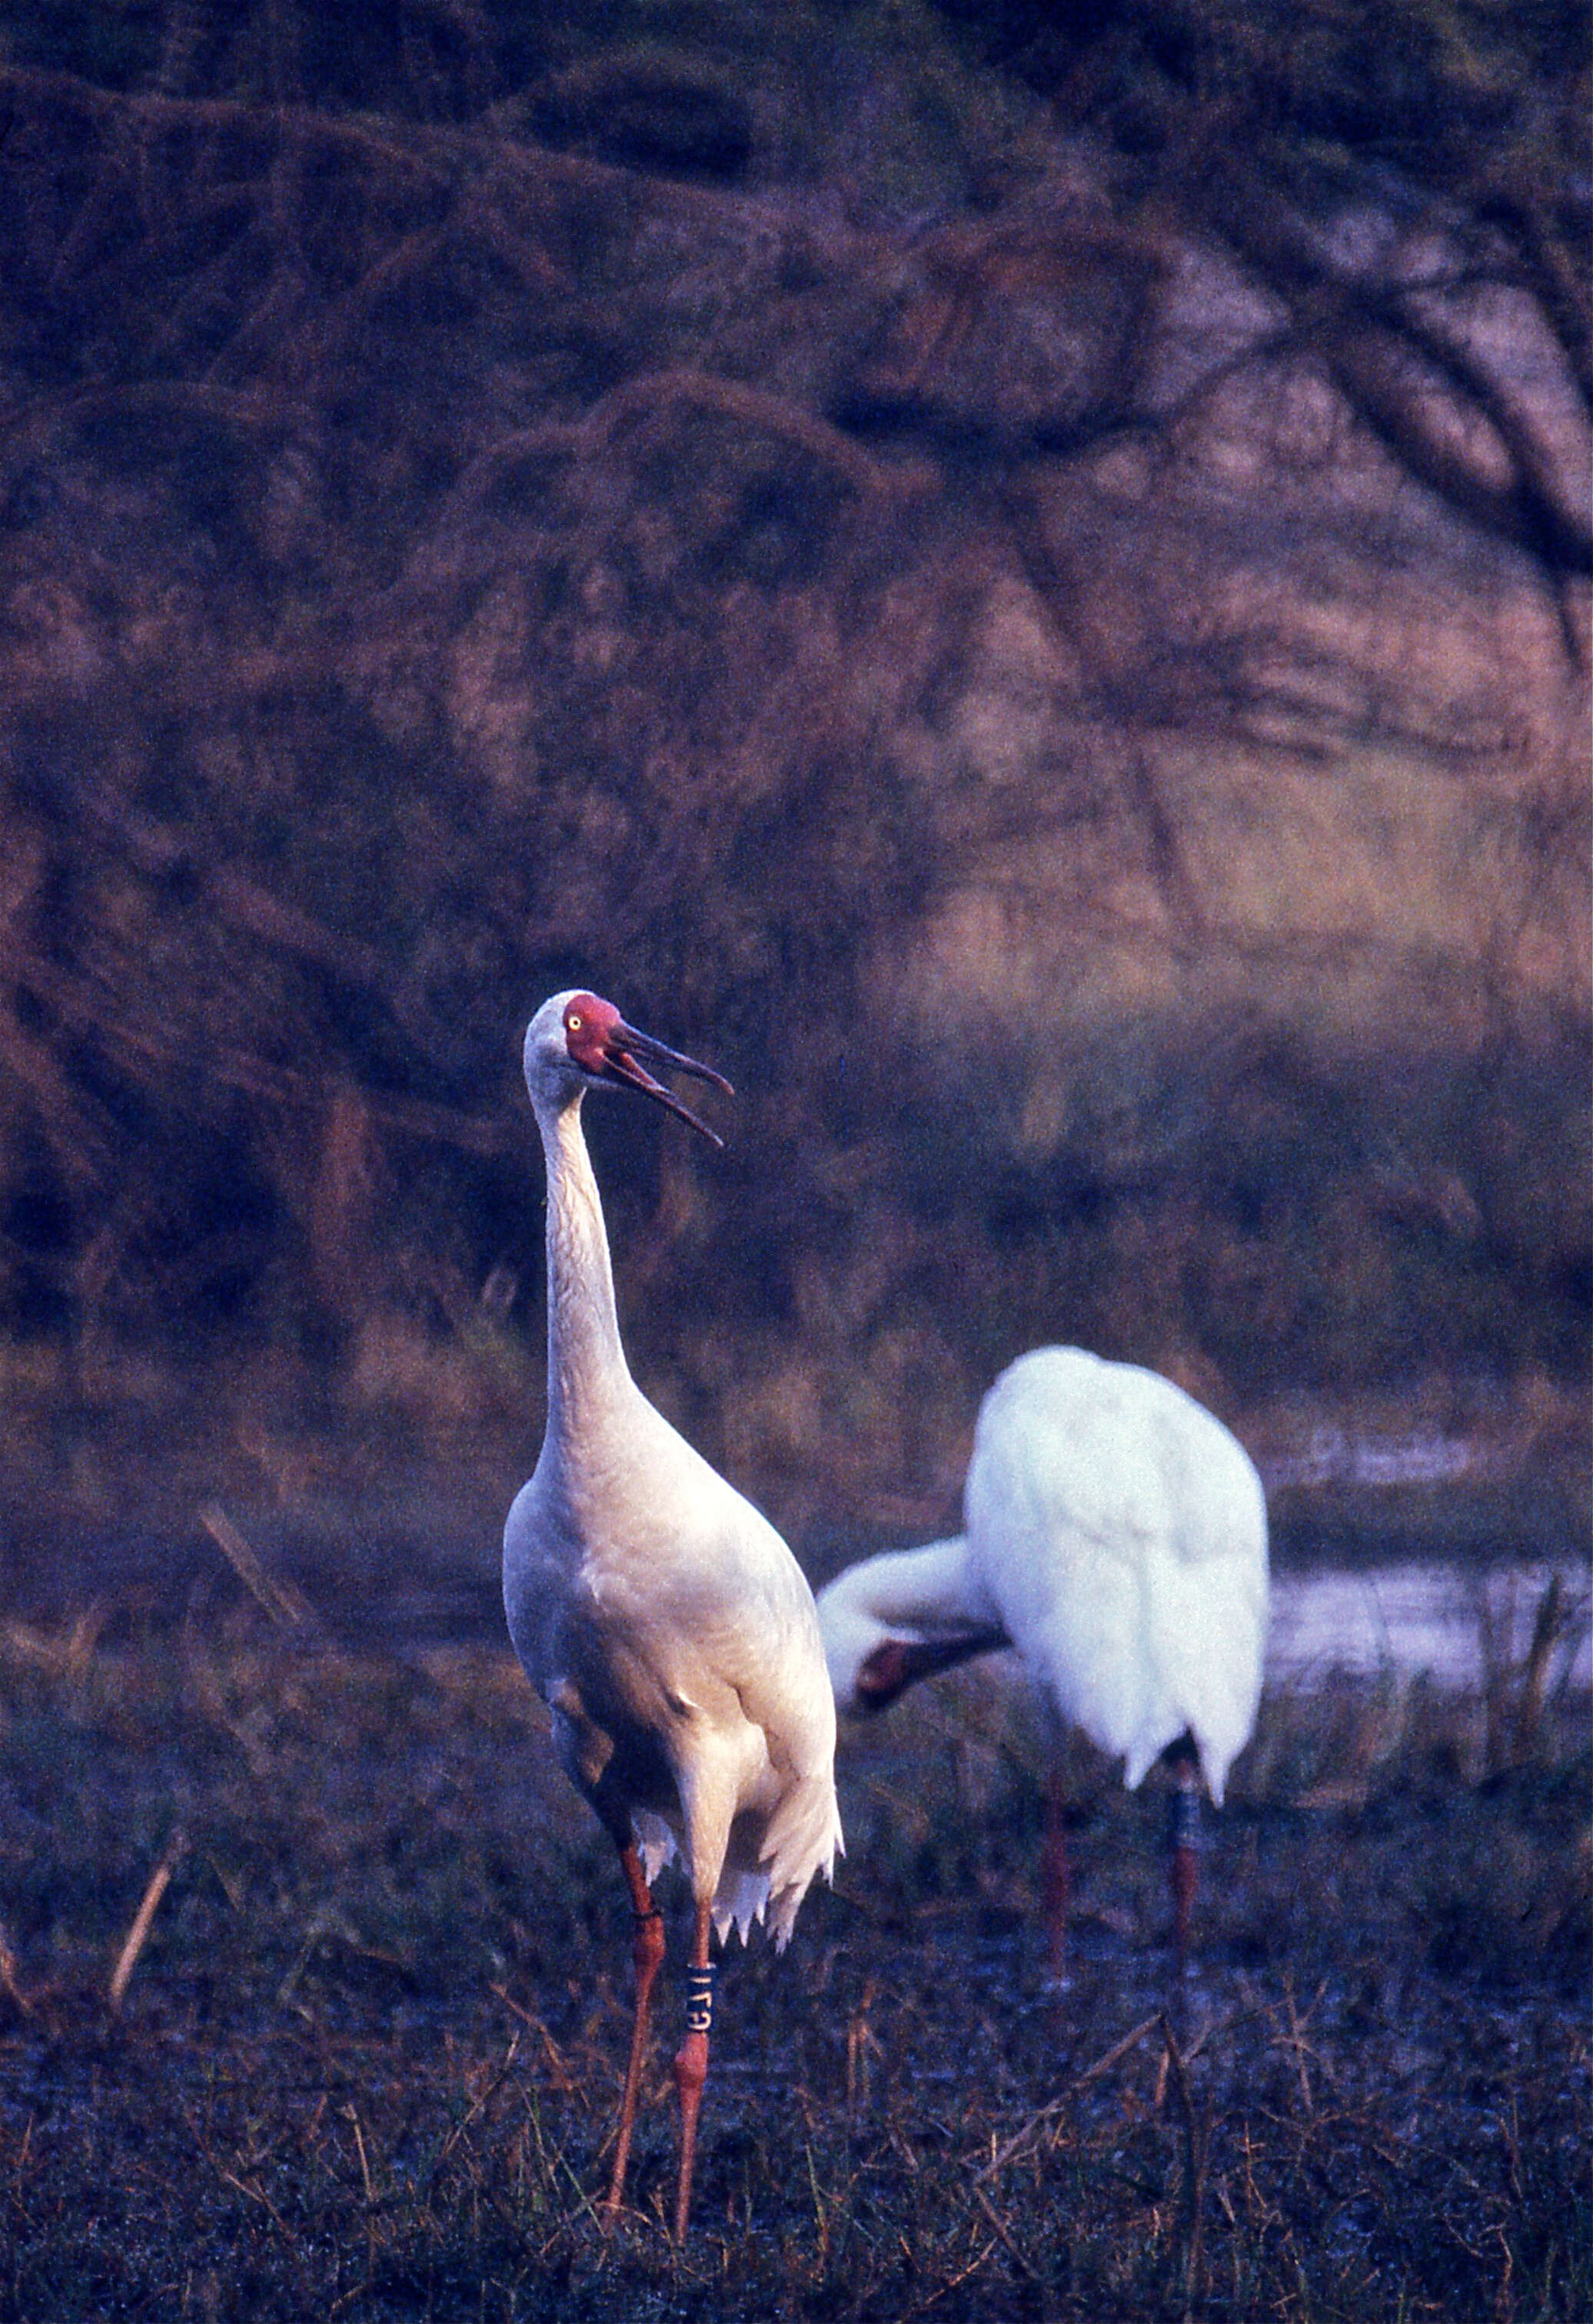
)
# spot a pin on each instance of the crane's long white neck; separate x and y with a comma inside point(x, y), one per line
point(586, 1365)
point(932, 1591)
point(902, 1616)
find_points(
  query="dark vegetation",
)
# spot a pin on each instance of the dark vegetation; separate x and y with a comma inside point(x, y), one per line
point(1015, 578)
point(369, 1970)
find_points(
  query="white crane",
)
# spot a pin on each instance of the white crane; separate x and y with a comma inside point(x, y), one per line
point(1115, 1533)
point(664, 1621)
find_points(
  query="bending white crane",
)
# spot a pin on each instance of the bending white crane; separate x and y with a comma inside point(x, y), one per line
point(664, 1621)
point(1115, 1533)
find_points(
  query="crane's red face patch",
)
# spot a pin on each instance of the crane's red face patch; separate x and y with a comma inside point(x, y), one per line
point(883, 1673)
point(896, 1664)
point(597, 1038)
point(589, 1026)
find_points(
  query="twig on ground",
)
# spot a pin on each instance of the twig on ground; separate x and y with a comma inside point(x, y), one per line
point(133, 1944)
point(286, 1604)
point(10, 1983)
point(1102, 2065)
point(1197, 2135)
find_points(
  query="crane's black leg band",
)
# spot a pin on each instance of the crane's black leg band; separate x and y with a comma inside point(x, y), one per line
point(1184, 1818)
point(699, 1999)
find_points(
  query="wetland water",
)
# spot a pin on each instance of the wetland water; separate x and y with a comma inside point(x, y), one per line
point(1410, 1617)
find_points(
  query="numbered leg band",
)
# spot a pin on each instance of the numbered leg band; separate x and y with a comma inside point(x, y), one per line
point(699, 1999)
point(1184, 1821)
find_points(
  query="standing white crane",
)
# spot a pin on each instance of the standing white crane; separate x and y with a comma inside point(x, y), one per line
point(1115, 1533)
point(663, 1620)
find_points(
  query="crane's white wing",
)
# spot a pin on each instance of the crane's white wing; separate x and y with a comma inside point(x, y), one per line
point(1121, 1531)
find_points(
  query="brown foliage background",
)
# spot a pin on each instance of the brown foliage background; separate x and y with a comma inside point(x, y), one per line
point(1021, 590)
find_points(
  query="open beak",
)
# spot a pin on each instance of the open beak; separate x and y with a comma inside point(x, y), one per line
point(626, 1055)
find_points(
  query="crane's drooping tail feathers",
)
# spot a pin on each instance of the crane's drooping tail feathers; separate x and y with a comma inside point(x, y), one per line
point(803, 1837)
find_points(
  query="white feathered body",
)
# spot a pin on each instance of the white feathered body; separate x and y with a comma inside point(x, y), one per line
point(662, 1619)
point(675, 1641)
point(1115, 1533)
point(1120, 1531)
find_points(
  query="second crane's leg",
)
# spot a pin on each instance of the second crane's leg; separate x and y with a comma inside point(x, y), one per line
point(648, 1953)
point(1057, 1878)
point(1184, 1840)
point(691, 2065)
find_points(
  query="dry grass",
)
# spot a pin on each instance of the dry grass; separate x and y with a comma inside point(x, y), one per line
point(370, 2034)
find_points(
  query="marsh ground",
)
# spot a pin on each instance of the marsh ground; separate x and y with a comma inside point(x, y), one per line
point(367, 2057)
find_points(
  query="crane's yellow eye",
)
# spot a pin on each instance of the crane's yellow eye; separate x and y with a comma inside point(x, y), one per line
point(572, 1024)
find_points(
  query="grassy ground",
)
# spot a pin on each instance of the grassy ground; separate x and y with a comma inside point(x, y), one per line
point(367, 2054)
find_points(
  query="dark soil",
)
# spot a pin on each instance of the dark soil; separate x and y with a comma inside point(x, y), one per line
point(367, 2059)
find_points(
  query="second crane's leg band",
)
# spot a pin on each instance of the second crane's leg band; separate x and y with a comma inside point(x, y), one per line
point(1184, 1818)
point(699, 1999)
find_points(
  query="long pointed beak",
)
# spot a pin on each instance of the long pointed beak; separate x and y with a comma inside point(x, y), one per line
point(622, 1062)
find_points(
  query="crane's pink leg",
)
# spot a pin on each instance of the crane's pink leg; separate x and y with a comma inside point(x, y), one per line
point(648, 1953)
point(1056, 1880)
point(691, 2063)
point(1184, 1865)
